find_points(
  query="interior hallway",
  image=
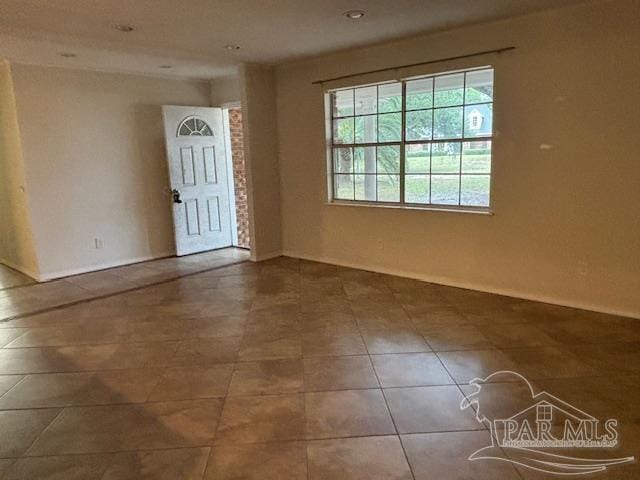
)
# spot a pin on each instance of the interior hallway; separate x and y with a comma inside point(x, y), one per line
point(288, 369)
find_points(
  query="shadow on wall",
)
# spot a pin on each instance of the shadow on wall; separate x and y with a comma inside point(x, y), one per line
point(16, 237)
point(153, 198)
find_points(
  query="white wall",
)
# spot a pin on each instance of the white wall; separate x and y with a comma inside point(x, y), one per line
point(566, 227)
point(17, 247)
point(95, 164)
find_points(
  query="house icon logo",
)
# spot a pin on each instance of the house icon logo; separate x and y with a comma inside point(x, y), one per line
point(539, 435)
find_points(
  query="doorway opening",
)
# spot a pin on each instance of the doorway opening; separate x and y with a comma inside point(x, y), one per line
point(232, 115)
point(207, 174)
point(200, 179)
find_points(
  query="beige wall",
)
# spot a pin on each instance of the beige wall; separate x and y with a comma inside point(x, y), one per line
point(258, 96)
point(566, 227)
point(225, 90)
point(16, 237)
point(94, 157)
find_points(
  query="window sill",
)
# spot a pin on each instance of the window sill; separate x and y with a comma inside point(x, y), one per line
point(433, 208)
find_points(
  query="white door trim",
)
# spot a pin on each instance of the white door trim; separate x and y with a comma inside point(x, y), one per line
point(230, 176)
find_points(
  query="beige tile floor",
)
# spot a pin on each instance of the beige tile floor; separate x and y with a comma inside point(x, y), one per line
point(20, 295)
point(10, 278)
point(287, 369)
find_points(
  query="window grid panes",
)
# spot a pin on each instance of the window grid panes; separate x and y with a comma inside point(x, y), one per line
point(192, 126)
point(443, 157)
point(545, 413)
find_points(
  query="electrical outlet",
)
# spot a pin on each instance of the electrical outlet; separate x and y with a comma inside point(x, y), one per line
point(98, 244)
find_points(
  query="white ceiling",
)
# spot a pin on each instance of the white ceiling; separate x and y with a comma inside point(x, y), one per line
point(191, 35)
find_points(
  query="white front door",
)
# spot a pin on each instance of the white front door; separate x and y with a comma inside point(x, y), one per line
point(198, 178)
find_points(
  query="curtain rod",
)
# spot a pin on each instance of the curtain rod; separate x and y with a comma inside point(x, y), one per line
point(409, 65)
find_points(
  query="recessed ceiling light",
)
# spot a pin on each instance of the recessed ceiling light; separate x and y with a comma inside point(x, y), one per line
point(68, 55)
point(165, 67)
point(232, 47)
point(123, 27)
point(354, 14)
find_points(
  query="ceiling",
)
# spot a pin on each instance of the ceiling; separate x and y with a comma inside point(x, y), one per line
point(191, 36)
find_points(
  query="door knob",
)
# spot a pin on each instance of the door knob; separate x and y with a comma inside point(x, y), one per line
point(176, 196)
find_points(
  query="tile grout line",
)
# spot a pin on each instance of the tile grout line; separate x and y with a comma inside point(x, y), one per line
point(3, 289)
point(262, 394)
point(251, 395)
point(109, 295)
point(301, 358)
point(456, 383)
point(209, 454)
point(213, 445)
point(226, 395)
point(105, 344)
point(24, 377)
point(304, 395)
point(8, 346)
point(518, 473)
point(111, 461)
point(402, 306)
point(39, 436)
point(162, 374)
point(384, 397)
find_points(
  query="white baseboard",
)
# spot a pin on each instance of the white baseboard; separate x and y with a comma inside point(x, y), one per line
point(44, 277)
point(467, 285)
point(265, 256)
point(28, 272)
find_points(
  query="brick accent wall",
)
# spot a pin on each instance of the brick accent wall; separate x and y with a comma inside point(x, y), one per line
point(239, 176)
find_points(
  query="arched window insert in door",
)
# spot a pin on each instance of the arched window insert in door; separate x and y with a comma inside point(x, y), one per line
point(191, 126)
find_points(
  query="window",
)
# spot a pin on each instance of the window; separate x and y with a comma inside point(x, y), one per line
point(191, 126)
point(419, 142)
point(544, 413)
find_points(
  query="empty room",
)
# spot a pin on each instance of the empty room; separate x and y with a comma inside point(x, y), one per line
point(337, 240)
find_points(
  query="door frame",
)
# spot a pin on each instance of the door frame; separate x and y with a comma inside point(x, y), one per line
point(230, 175)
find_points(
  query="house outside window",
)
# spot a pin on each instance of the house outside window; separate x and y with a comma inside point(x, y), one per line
point(421, 142)
point(475, 119)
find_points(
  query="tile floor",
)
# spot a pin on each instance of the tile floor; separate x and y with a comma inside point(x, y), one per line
point(20, 295)
point(10, 278)
point(288, 369)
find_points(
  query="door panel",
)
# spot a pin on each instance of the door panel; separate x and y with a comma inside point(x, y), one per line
point(191, 216)
point(198, 171)
point(209, 158)
point(213, 209)
point(188, 167)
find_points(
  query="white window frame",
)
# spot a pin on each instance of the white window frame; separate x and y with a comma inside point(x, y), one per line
point(403, 143)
